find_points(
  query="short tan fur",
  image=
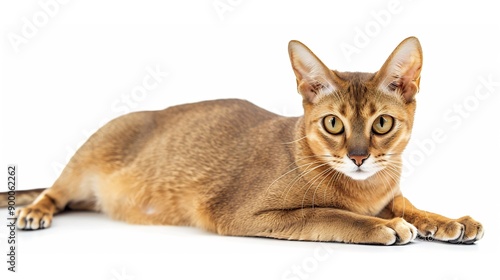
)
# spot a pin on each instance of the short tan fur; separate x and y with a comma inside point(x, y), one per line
point(232, 168)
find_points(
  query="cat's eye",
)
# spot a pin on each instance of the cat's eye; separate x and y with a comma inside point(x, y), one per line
point(382, 124)
point(333, 125)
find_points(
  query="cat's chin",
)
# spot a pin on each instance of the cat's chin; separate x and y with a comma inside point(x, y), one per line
point(359, 175)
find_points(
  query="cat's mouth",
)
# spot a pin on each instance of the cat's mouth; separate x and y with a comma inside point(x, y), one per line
point(360, 174)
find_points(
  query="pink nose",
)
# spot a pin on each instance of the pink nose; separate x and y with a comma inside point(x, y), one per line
point(358, 159)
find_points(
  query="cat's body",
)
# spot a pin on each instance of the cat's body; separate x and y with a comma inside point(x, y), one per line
point(233, 168)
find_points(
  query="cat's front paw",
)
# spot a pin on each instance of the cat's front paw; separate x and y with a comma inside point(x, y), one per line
point(464, 230)
point(33, 217)
point(395, 231)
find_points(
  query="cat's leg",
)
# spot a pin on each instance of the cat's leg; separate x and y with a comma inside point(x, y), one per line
point(106, 152)
point(70, 190)
point(328, 224)
point(462, 230)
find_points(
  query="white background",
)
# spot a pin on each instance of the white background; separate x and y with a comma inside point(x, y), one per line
point(70, 72)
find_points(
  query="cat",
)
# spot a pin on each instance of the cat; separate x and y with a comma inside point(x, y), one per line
point(232, 168)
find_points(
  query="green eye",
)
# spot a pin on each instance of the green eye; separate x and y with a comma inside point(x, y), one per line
point(333, 125)
point(382, 124)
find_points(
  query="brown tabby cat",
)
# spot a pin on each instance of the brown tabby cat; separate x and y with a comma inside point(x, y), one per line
point(233, 168)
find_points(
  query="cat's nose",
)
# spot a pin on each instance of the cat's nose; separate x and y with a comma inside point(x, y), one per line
point(358, 159)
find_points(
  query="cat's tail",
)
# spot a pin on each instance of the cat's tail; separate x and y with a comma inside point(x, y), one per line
point(20, 198)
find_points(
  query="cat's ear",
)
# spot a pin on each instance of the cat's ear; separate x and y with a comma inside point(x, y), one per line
point(401, 72)
point(314, 79)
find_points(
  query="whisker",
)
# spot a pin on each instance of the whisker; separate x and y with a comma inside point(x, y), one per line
point(391, 172)
point(335, 176)
point(302, 158)
point(288, 172)
point(298, 177)
point(330, 171)
point(311, 183)
point(307, 165)
point(392, 154)
point(294, 141)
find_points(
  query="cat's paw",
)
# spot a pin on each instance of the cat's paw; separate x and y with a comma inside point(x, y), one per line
point(395, 231)
point(33, 217)
point(464, 230)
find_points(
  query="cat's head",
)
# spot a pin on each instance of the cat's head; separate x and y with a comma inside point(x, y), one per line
point(359, 123)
